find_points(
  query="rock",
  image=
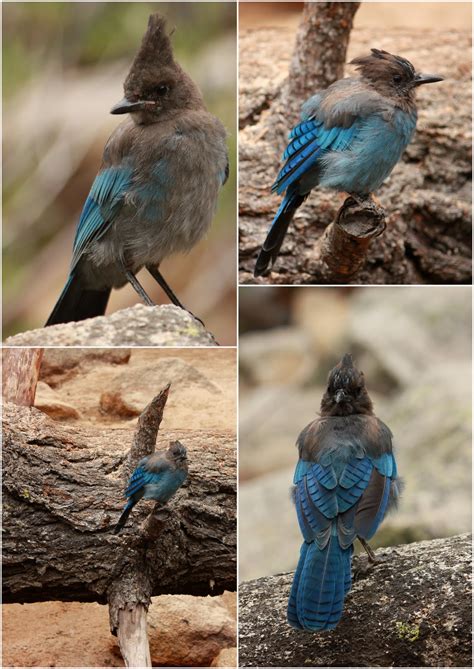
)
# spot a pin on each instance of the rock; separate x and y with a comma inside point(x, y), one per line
point(413, 609)
point(188, 631)
point(226, 658)
point(139, 325)
point(279, 356)
point(66, 629)
point(397, 338)
point(433, 455)
point(114, 404)
point(61, 364)
point(47, 400)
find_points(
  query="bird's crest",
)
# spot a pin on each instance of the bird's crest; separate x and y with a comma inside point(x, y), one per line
point(154, 60)
point(177, 450)
point(381, 62)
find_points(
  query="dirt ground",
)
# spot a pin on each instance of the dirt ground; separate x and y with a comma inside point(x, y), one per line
point(202, 396)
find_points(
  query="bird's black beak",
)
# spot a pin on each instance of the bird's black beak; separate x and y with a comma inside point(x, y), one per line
point(126, 106)
point(340, 396)
point(421, 78)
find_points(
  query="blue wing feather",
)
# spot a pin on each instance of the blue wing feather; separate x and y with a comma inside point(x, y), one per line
point(309, 141)
point(102, 204)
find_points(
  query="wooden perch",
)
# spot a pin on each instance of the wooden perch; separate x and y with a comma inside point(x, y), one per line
point(130, 594)
point(413, 609)
point(63, 493)
point(344, 245)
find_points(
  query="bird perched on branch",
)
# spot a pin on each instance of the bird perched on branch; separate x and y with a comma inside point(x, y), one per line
point(350, 138)
point(345, 483)
point(156, 191)
point(157, 477)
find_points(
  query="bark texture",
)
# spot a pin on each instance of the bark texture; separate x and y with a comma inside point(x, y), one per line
point(20, 372)
point(413, 609)
point(63, 493)
point(427, 197)
point(321, 46)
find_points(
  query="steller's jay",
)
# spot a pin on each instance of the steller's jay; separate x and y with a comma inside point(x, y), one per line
point(157, 188)
point(345, 483)
point(350, 138)
point(157, 477)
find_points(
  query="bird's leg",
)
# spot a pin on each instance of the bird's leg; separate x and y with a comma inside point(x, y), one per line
point(137, 286)
point(370, 553)
point(160, 279)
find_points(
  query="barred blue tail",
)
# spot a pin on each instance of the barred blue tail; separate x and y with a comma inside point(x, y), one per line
point(77, 303)
point(321, 581)
point(272, 244)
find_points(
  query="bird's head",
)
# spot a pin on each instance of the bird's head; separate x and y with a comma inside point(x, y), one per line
point(346, 393)
point(177, 451)
point(391, 75)
point(156, 86)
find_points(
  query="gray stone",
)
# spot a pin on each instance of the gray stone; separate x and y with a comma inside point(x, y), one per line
point(139, 325)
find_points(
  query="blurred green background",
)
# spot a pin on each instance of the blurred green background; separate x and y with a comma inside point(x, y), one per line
point(414, 347)
point(63, 69)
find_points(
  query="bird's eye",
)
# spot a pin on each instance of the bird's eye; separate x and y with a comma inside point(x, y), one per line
point(397, 78)
point(162, 89)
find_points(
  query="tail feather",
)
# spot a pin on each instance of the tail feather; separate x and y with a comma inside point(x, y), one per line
point(77, 303)
point(292, 610)
point(272, 244)
point(124, 517)
point(320, 585)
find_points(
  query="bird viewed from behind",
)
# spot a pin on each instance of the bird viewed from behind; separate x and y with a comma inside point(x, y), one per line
point(156, 192)
point(350, 138)
point(345, 483)
point(157, 476)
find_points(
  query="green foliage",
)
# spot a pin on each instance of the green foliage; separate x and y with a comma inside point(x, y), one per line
point(407, 631)
point(83, 34)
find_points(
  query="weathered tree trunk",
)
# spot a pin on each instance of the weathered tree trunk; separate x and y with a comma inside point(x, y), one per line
point(321, 47)
point(412, 609)
point(427, 197)
point(20, 372)
point(63, 493)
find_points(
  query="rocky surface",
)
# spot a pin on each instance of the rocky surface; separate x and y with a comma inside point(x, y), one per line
point(203, 630)
point(165, 325)
point(413, 609)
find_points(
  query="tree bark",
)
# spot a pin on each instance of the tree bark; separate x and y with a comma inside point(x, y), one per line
point(321, 47)
point(63, 493)
point(411, 609)
point(344, 246)
point(20, 372)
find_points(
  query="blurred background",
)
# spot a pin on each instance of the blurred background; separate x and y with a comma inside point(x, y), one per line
point(414, 347)
point(456, 15)
point(64, 64)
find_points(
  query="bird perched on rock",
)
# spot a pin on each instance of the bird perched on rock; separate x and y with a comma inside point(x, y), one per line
point(157, 477)
point(350, 138)
point(345, 483)
point(156, 191)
